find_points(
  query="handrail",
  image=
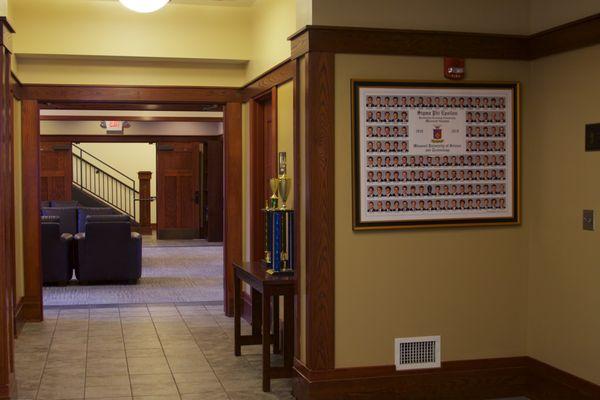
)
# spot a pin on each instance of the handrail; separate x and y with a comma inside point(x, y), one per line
point(108, 174)
point(101, 184)
point(82, 151)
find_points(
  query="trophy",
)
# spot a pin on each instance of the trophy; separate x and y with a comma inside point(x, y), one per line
point(279, 223)
point(274, 200)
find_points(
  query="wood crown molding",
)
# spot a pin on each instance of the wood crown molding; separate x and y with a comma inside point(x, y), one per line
point(128, 118)
point(278, 75)
point(352, 40)
point(137, 94)
point(127, 138)
point(467, 379)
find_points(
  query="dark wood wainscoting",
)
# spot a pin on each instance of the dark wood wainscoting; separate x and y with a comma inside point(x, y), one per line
point(455, 380)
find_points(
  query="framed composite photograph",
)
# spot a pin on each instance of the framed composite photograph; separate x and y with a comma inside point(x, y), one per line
point(435, 154)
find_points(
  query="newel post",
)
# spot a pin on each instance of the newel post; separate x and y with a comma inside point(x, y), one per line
point(145, 201)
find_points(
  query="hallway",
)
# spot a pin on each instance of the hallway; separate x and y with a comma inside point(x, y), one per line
point(164, 351)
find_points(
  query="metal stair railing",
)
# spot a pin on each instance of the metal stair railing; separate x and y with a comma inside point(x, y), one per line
point(104, 182)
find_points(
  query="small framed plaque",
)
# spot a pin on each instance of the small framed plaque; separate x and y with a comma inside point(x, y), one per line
point(435, 154)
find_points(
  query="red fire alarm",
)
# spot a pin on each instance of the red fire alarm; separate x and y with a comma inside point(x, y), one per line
point(454, 68)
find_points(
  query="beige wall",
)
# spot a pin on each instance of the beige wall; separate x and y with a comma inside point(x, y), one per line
point(137, 128)
point(564, 295)
point(546, 14)
point(129, 158)
point(467, 285)
point(508, 16)
point(20, 272)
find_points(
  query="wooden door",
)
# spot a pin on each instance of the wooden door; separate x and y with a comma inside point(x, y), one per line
point(214, 193)
point(178, 190)
point(263, 164)
point(56, 171)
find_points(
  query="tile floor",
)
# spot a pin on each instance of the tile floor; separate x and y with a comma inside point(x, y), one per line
point(144, 352)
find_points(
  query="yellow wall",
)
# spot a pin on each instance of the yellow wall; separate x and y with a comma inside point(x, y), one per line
point(119, 71)
point(101, 42)
point(129, 158)
point(467, 285)
point(285, 128)
point(272, 22)
point(20, 283)
point(564, 295)
point(100, 27)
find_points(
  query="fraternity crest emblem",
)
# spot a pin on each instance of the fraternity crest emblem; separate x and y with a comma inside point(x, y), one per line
point(437, 135)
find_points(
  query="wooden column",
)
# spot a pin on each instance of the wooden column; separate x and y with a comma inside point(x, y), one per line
point(7, 220)
point(233, 198)
point(320, 224)
point(32, 257)
point(145, 202)
point(215, 190)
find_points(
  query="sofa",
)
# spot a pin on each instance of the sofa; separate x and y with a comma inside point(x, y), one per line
point(108, 251)
point(57, 252)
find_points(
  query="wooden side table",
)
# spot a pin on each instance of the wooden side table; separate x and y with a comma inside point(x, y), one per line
point(269, 287)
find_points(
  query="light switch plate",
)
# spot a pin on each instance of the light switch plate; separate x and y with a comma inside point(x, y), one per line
point(588, 220)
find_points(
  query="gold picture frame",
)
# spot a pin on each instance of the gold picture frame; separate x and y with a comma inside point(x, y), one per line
point(486, 148)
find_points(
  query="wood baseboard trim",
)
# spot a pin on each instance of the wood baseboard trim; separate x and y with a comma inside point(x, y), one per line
point(32, 309)
point(550, 383)
point(19, 317)
point(469, 379)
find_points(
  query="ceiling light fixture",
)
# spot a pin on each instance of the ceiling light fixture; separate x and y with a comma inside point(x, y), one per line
point(144, 6)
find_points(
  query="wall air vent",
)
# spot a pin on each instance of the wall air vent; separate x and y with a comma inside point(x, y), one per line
point(418, 352)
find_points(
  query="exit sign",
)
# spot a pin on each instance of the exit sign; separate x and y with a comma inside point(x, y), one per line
point(114, 126)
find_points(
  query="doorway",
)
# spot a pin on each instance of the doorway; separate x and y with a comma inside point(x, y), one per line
point(122, 97)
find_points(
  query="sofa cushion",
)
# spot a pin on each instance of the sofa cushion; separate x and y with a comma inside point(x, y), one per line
point(68, 217)
point(63, 203)
point(108, 218)
point(84, 212)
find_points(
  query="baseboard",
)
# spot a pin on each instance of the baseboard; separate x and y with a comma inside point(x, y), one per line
point(464, 380)
point(32, 309)
point(549, 383)
point(19, 317)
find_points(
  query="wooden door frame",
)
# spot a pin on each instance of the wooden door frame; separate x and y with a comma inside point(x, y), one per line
point(36, 96)
point(257, 173)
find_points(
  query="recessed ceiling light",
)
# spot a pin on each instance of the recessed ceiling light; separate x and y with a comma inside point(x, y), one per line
point(144, 6)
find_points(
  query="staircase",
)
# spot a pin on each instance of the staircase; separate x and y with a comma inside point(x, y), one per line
point(97, 184)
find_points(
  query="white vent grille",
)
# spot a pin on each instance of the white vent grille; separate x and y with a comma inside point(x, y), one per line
point(418, 352)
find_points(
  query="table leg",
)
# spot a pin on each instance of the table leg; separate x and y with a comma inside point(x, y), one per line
point(276, 344)
point(288, 331)
point(256, 312)
point(266, 339)
point(237, 288)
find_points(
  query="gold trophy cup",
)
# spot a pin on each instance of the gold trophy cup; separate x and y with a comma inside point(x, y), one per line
point(284, 191)
point(274, 200)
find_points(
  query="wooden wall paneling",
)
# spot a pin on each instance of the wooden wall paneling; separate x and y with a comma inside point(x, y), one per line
point(320, 229)
point(7, 224)
point(297, 207)
point(30, 125)
point(214, 153)
point(233, 197)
